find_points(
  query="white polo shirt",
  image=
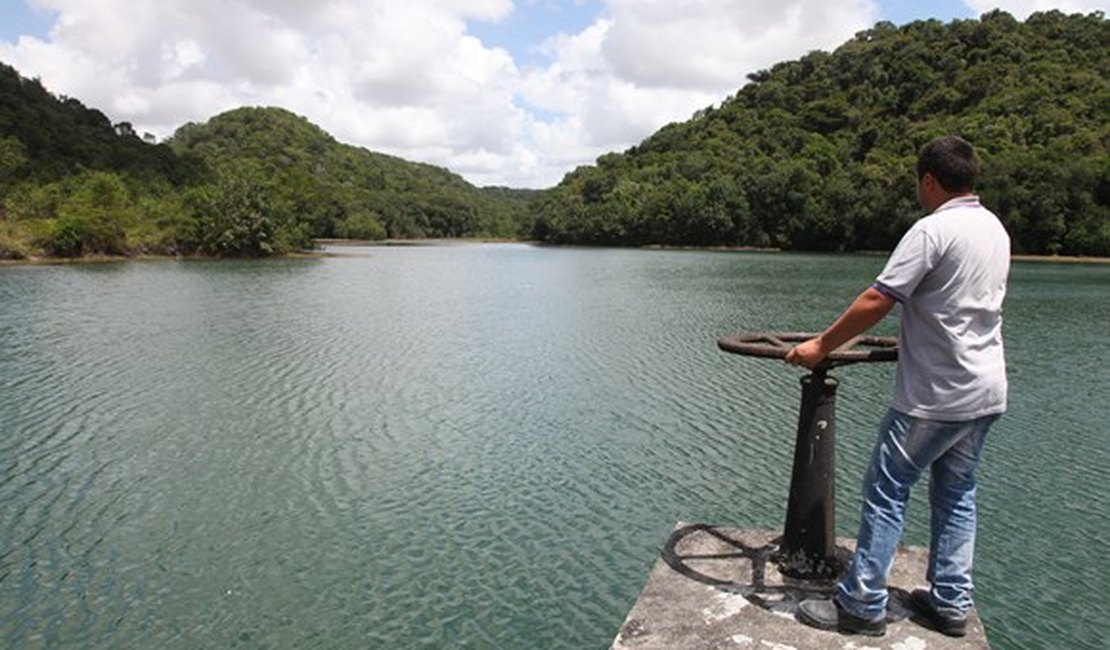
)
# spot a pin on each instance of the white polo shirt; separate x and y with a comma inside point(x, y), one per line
point(949, 273)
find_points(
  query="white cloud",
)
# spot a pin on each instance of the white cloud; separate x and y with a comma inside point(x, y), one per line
point(407, 78)
point(709, 44)
point(1021, 9)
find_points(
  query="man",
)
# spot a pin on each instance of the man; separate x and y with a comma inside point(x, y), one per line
point(949, 274)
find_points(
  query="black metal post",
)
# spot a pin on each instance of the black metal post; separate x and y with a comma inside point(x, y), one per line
point(808, 548)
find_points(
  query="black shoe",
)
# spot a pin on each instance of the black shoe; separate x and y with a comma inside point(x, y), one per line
point(922, 602)
point(829, 615)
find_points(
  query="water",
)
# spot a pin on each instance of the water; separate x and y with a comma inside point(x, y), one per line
point(476, 446)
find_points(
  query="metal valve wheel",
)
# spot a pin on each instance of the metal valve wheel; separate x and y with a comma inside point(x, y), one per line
point(775, 345)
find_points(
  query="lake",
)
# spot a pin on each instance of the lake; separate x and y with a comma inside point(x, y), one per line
point(479, 446)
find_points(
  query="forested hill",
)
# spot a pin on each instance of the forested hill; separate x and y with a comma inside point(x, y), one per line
point(250, 182)
point(45, 138)
point(819, 153)
point(344, 190)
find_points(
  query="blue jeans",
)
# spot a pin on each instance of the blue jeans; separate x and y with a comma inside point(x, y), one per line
point(906, 447)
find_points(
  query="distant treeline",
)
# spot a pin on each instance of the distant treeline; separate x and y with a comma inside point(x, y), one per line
point(813, 154)
point(250, 182)
point(819, 153)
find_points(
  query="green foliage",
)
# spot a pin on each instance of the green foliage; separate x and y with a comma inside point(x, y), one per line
point(31, 201)
point(165, 226)
point(60, 137)
point(13, 156)
point(361, 225)
point(94, 217)
point(332, 187)
point(67, 236)
point(819, 153)
point(72, 183)
point(251, 182)
point(234, 216)
point(13, 245)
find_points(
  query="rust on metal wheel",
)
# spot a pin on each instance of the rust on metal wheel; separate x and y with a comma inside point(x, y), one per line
point(775, 345)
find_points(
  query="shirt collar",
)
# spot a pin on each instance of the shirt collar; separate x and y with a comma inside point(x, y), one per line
point(965, 201)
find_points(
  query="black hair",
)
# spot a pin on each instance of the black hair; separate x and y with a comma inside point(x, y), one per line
point(952, 161)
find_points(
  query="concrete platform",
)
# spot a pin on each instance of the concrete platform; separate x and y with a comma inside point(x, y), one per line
point(716, 588)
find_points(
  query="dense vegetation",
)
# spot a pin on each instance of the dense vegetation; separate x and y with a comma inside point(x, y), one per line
point(818, 153)
point(340, 190)
point(250, 182)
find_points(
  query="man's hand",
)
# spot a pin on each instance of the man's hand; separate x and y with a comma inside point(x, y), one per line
point(867, 309)
point(809, 354)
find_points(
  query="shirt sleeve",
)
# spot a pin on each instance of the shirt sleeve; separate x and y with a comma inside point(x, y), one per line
point(910, 262)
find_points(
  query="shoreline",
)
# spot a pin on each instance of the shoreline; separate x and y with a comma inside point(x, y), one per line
point(390, 243)
point(113, 259)
point(430, 241)
point(1062, 259)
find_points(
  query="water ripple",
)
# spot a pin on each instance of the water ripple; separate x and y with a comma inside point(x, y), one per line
point(480, 446)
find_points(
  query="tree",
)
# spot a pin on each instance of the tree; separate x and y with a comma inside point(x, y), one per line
point(94, 217)
point(13, 156)
point(361, 225)
point(234, 217)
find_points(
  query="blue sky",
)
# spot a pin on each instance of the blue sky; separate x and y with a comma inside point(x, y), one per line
point(17, 19)
point(904, 11)
point(504, 92)
point(525, 29)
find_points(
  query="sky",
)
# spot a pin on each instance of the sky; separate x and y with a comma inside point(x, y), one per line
point(503, 92)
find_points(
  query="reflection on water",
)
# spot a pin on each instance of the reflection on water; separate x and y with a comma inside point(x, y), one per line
point(479, 446)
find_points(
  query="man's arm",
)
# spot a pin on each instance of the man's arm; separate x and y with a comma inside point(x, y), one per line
point(867, 309)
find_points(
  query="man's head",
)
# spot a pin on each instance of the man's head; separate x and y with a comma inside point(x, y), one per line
point(947, 167)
